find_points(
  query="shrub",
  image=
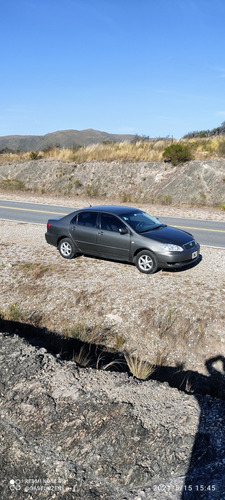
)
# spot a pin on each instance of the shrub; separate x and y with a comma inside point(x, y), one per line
point(126, 197)
point(77, 183)
point(33, 155)
point(177, 153)
point(12, 184)
point(221, 148)
point(91, 191)
point(206, 133)
point(13, 313)
point(165, 199)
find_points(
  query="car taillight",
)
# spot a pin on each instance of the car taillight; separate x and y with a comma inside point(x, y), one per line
point(48, 225)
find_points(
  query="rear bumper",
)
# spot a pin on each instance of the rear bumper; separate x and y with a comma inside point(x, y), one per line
point(51, 239)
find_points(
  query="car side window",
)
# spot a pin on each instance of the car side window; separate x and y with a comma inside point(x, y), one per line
point(87, 219)
point(111, 223)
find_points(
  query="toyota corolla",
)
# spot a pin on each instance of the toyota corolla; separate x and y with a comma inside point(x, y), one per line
point(124, 234)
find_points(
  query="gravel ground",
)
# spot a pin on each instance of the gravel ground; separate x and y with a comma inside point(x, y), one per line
point(169, 318)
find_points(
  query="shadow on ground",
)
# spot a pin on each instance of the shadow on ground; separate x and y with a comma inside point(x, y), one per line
point(67, 349)
point(172, 269)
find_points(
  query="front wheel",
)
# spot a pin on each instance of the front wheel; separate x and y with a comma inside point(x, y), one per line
point(67, 248)
point(146, 262)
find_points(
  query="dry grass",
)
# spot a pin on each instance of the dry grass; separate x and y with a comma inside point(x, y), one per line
point(36, 270)
point(13, 313)
point(91, 334)
point(139, 368)
point(201, 148)
point(83, 357)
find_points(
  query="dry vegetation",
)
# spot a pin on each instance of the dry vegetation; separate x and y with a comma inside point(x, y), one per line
point(140, 368)
point(152, 150)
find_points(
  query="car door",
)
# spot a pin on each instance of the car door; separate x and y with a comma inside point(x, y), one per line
point(83, 231)
point(113, 238)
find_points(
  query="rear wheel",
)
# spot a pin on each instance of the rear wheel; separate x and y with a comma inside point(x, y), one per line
point(67, 248)
point(146, 262)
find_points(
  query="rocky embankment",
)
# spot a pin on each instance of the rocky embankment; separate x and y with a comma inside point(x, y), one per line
point(72, 433)
point(200, 183)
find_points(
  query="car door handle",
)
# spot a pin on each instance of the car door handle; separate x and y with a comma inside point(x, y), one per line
point(100, 232)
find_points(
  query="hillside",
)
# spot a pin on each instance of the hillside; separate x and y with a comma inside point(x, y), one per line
point(61, 139)
point(197, 183)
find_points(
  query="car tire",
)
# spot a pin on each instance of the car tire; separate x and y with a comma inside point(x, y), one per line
point(66, 248)
point(146, 262)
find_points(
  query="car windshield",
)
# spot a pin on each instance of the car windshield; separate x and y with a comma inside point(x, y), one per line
point(141, 222)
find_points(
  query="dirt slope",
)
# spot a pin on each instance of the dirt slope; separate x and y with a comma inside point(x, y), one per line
point(195, 183)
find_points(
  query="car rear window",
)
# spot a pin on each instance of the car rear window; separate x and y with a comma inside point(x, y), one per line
point(87, 219)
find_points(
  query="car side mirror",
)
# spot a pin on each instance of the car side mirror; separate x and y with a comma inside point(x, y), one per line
point(123, 230)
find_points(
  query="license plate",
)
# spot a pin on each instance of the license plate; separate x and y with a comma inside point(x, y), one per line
point(194, 255)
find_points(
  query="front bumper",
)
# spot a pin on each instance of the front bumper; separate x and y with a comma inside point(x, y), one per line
point(178, 259)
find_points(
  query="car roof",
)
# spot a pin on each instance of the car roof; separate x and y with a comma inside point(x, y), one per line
point(112, 209)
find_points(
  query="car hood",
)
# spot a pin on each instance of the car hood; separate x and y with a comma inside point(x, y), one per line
point(168, 234)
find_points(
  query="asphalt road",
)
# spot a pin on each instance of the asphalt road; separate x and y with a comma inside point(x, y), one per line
point(208, 233)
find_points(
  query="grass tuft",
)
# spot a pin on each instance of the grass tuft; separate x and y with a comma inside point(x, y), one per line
point(91, 334)
point(13, 313)
point(83, 357)
point(139, 368)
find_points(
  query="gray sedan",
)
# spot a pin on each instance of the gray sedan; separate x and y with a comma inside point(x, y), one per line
point(124, 234)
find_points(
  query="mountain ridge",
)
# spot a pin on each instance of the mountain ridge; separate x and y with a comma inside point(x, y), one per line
point(61, 138)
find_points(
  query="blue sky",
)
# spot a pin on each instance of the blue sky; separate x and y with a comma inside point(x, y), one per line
point(151, 67)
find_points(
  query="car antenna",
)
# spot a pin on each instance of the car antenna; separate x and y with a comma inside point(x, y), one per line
point(90, 205)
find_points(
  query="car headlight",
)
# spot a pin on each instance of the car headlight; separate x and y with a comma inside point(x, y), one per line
point(169, 247)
